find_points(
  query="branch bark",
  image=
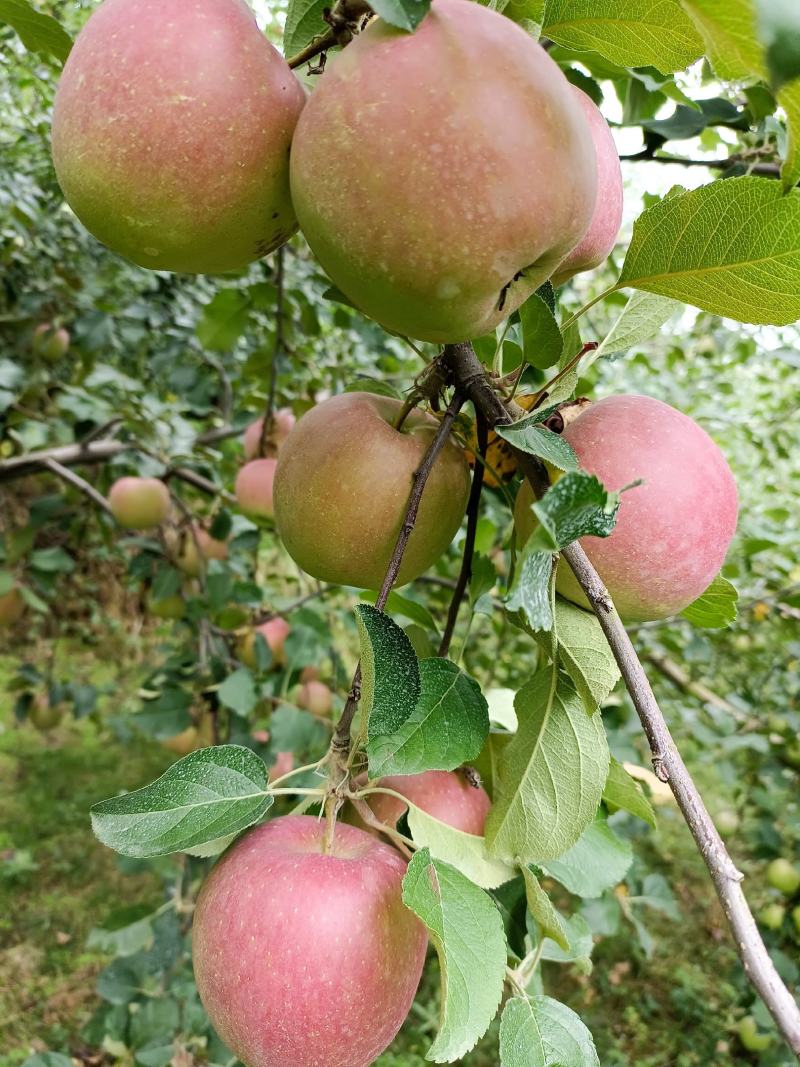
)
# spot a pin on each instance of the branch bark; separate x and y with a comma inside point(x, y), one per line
point(766, 170)
point(265, 447)
point(74, 479)
point(342, 21)
point(470, 376)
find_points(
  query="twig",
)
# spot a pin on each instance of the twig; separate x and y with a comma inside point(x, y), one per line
point(667, 761)
point(183, 474)
point(75, 479)
point(473, 511)
point(678, 676)
point(342, 20)
point(767, 170)
point(265, 446)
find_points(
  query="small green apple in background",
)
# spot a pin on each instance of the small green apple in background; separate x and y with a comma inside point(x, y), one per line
point(274, 631)
point(50, 342)
point(796, 917)
point(139, 503)
point(442, 232)
point(672, 531)
point(12, 607)
point(772, 916)
point(179, 162)
point(254, 492)
point(43, 714)
point(446, 795)
point(601, 236)
point(196, 548)
point(304, 959)
point(342, 486)
point(750, 1037)
point(169, 607)
point(784, 876)
point(282, 422)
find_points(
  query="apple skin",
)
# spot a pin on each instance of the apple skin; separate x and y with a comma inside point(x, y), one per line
point(342, 486)
point(171, 132)
point(50, 342)
point(197, 548)
point(314, 696)
point(274, 631)
point(282, 422)
point(169, 607)
point(440, 177)
point(673, 531)
point(784, 876)
point(139, 503)
point(254, 488)
point(445, 795)
point(750, 1036)
point(12, 607)
point(601, 236)
point(303, 959)
point(772, 916)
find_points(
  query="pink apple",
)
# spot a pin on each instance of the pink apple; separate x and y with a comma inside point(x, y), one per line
point(304, 959)
point(284, 763)
point(282, 422)
point(50, 342)
point(314, 696)
point(199, 547)
point(254, 488)
point(274, 631)
point(446, 795)
point(600, 238)
point(139, 503)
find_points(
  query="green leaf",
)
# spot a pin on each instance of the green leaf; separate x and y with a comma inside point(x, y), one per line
point(447, 727)
point(541, 908)
point(580, 947)
point(38, 32)
point(630, 33)
point(779, 30)
point(641, 318)
point(224, 320)
point(578, 641)
point(624, 792)
point(716, 608)
point(789, 99)
point(238, 692)
point(404, 14)
point(728, 28)
point(202, 797)
point(530, 593)
point(51, 561)
point(576, 506)
point(7, 582)
point(466, 852)
point(550, 776)
point(466, 929)
point(529, 435)
point(528, 13)
point(48, 1059)
point(542, 343)
point(304, 22)
point(397, 604)
point(542, 1032)
point(731, 248)
point(390, 678)
point(597, 861)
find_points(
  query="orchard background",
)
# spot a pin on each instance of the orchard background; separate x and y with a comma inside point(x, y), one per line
point(161, 376)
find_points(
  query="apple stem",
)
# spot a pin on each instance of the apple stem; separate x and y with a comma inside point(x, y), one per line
point(470, 376)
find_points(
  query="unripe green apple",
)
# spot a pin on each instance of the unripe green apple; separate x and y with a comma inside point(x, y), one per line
point(304, 958)
point(440, 177)
point(282, 422)
point(784, 876)
point(169, 607)
point(12, 607)
point(44, 715)
point(254, 488)
point(772, 916)
point(342, 486)
point(796, 917)
point(50, 342)
point(274, 631)
point(139, 503)
point(750, 1037)
point(673, 530)
point(171, 133)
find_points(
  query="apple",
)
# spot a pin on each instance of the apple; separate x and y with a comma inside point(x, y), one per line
point(282, 422)
point(43, 714)
point(197, 547)
point(314, 696)
point(342, 486)
point(750, 1037)
point(139, 503)
point(284, 763)
point(171, 133)
point(796, 917)
point(274, 631)
point(672, 531)
point(784, 876)
point(309, 674)
point(446, 795)
point(199, 735)
point(440, 177)
point(50, 342)
point(772, 916)
point(12, 607)
point(601, 236)
point(305, 959)
point(169, 607)
point(254, 488)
